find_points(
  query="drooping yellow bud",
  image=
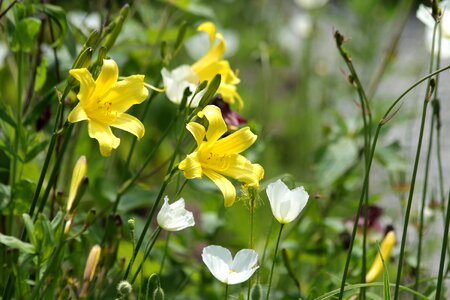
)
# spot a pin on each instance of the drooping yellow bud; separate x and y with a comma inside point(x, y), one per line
point(79, 171)
point(386, 247)
point(89, 270)
point(92, 262)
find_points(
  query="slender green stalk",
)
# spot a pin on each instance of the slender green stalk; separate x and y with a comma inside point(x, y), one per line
point(252, 213)
point(226, 291)
point(166, 247)
point(414, 174)
point(147, 253)
point(386, 118)
point(443, 252)
point(423, 205)
point(273, 262)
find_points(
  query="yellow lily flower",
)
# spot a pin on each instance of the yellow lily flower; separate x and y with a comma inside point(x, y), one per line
point(212, 63)
point(386, 247)
point(103, 103)
point(217, 157)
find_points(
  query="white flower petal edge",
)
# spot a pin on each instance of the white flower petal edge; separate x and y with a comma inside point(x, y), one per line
point(176, 82)
point(227, 270)
point(174, 217)
point(286, 204)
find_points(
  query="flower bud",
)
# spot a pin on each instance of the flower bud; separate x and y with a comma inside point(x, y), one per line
point(255, 293)
point(124, 288)
point(386, 247)
point(92, 262)
point(79, 172)
point(158, 294)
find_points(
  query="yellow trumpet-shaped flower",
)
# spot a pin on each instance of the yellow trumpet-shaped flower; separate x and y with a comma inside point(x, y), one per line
point(212, 63)
point(103, 103)
point(386, 247)
point(217, 157)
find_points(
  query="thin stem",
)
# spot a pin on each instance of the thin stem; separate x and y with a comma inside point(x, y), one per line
point(147, 253)
point(252, 213)
point(166, 247)
point(443, 251)
point(273, 262)
point(422, 209)
point(414, 174)
point(226, 291)
point(7, 8)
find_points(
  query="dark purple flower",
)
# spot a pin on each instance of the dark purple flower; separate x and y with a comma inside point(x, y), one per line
point(232, 118)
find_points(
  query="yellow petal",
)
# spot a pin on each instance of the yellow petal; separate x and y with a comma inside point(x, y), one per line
point(225, 186)
point(87, 85)
point(197, 131)
point(79, 171)
point(239, 168)
point(126, 93)
point(216, 126)
point(191, 166)
point(229, 94)
point(130, 124)
point(386, 247)
point(236, 142)
point(107, 78)
point(214, 54)
point(210, 29)
point(103, 134)
point(77, 114)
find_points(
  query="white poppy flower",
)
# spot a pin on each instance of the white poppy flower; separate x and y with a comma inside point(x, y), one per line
point(424, 15)
point(174, 217)
point(177, 80)
point(286, 204)
point(226, 269)
point(311, 4)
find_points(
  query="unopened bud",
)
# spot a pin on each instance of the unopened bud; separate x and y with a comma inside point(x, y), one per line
point(68, 225)
point(158, 294)
point(124, 288)
point(101, 55)
point(79, 172)
point(91, 263)
point(90, 217)
point(255, 293)
point(118, 23)
point(131, 223)
point(80, 192)
point(339, 38)
point(93, 37)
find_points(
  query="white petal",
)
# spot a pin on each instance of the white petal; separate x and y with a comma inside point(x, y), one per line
point(176, 82)
point(174, 217)
point(276, 192)
point(244, 260)
point(424, 15)
point(297, 198)
point(218, 260)
point(235, 278)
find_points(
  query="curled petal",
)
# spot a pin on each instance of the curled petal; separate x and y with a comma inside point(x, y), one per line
point(240, 168)
point(225, 186)
point(87, 85)
point(77, 114)
point(236, 142)
point(197, 131)
point(107, 77)
point(129, 123)
point(217, 126)
point(191, 166)
point(103, 134)
point(126, 93)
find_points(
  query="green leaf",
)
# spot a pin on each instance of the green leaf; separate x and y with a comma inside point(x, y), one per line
point(4, 115)
point(5, 195)
point(41, 75)
point(29, 226)
point(15, 243)
point(23, 191)
point(38, 148)
point(57, 15)
point(25, 34)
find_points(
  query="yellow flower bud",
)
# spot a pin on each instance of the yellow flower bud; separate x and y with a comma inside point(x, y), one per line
point(79, 172)
point(386, 247)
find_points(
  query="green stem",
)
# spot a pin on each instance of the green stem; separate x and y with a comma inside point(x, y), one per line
point(252, 213)
point(443, 251)
point(147, 253)
point(166, 247)
point(226, 291)
point(413, 178)
point(422, 209)
point(273, 262)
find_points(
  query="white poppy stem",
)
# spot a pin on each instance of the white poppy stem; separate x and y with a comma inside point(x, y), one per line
point(147, 253)
point(226, 291)
point(273, 262)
